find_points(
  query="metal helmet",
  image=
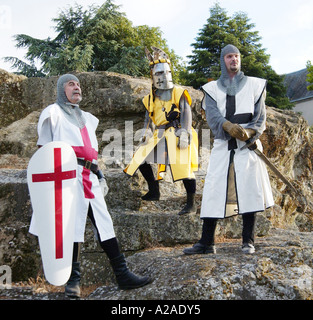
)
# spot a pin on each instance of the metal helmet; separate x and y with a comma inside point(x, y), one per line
point(160, 69)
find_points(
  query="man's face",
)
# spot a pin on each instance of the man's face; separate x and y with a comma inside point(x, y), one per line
point(232, 63)
point(73, 91)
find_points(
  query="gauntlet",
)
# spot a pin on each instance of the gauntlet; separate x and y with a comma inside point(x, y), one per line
point(236, 131)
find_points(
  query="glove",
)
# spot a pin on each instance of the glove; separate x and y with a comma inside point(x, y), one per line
point(183, 141)
point(235, 131)
point(104, 187)
point(143, 136)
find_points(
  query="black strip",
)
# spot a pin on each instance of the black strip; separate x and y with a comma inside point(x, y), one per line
point(90, 166)
point(236, 189)
point(227, 179)
point(231, 160)
point(261, 93)
point(241, 118)
point(230, 111)
point(230, 106)
point(205, 93)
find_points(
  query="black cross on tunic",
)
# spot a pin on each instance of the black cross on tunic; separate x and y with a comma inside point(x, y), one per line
point(238, 118)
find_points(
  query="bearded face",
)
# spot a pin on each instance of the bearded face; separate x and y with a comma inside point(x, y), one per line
point(232, 63)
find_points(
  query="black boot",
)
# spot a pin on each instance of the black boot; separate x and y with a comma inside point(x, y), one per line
point(72, 288)
point(190, 206)
point(154, 193)
point(126, 279)
point(200, 248)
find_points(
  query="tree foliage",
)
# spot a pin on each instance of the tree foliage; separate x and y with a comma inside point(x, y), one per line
point(101, 38)
point(220, 30)
point(96, 39)
point(309, 67)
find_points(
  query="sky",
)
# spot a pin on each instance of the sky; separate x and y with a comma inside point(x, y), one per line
point(285, 26)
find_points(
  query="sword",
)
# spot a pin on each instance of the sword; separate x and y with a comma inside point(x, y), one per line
point(299, 196)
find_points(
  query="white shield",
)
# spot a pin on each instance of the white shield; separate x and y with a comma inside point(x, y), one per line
point(52, 183)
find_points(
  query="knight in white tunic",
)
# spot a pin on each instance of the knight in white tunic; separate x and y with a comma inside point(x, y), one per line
point(65, 121)
point(237, 181)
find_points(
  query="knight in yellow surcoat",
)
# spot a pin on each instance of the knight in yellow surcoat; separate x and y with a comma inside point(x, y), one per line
point(167, 138)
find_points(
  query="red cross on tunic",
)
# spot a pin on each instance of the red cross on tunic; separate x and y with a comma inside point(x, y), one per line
point(57, 176)
point(88, 153)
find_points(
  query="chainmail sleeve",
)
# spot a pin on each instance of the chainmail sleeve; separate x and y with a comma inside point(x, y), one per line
point(258, 122)
point(148, 123)
point(185, 114)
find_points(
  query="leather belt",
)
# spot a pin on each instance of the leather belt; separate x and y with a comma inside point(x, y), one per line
point(173, 124)
point(88, 165)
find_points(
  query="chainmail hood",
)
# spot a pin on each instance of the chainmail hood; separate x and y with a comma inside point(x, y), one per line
point(72, 111)
point(228, 85)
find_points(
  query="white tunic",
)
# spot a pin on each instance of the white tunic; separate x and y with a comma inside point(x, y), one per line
point(53, 126)
point(252, 192)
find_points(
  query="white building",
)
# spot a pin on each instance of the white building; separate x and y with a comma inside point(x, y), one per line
point(298, 93)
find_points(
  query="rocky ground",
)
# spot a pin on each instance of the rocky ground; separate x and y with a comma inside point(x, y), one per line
point(281, 269)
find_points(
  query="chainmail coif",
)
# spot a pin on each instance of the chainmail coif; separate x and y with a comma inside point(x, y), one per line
point(230, 86)
point(72, 111)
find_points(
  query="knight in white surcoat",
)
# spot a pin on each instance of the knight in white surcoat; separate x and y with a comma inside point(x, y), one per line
point(237, 181)
point(65, 121)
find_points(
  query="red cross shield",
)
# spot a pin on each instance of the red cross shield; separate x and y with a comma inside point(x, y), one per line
point(52, 183)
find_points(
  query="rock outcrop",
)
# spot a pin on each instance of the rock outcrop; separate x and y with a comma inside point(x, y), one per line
point(152, 234)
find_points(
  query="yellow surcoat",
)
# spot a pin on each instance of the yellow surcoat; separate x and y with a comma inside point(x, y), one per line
point(182, 162)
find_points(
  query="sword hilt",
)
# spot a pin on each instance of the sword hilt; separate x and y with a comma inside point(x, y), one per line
point(251, 145)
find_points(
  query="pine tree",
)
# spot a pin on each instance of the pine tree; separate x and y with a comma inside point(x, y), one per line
point(204, 63)
point(220, 30)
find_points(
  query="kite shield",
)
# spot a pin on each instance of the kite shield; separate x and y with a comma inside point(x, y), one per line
point(52, 183)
